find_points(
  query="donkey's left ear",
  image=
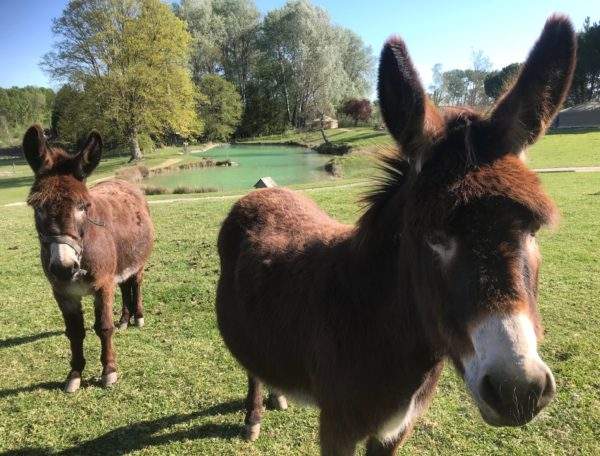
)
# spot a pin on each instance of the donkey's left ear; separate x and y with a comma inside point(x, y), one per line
point(34, 147)
point(91, 153)
point(527, 109)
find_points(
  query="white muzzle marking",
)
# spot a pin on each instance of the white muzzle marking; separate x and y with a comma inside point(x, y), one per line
point(502, 343)
point(63, 254)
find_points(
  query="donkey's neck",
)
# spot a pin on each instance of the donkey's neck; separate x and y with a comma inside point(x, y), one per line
point(382, 265)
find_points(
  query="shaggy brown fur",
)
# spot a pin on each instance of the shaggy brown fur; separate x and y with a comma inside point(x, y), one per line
point(359, 319)
point(109, 227)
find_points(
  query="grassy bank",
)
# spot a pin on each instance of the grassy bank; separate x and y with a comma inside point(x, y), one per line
point(181, 392)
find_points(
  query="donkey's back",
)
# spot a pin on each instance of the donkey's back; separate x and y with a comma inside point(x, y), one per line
point(272, 244)
point(124, 210)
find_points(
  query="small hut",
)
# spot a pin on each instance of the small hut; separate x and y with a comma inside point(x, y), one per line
point(328, 123)
point(265, 182)
point(585, 115)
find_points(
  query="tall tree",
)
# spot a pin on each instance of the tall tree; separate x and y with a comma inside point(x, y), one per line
point(305, 54)
point(221, 108)
point(586, 81)
point(224, 34)
point(497, 82)
point(437, 84)
point(129, 61)
point(19, 108)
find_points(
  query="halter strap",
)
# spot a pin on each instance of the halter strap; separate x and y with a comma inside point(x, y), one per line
point(62, 239)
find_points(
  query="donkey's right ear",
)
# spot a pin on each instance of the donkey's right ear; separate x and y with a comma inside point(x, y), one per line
point(405, 108)
point(34, 147)
point(91, 153)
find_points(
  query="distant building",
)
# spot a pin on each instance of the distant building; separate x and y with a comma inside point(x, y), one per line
point(585, 115)
point(265, 182)
point(328, 123)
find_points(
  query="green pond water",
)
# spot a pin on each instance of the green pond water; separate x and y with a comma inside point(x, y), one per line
point(285, 164)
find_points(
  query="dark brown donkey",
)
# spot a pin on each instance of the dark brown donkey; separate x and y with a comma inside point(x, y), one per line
point(91, 241)
point(443, 264)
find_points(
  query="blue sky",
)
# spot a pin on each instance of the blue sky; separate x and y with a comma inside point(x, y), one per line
point(435, 31)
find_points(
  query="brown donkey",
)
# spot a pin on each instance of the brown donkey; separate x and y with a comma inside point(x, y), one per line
point(443, 264)
point(91, 241)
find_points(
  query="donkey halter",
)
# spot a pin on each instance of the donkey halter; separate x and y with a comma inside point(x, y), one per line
point(68, 240)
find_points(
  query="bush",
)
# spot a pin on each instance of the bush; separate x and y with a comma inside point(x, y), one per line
point(153, 190)
point(186, 189)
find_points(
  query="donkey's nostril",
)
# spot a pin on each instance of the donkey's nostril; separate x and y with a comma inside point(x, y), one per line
point(548, 392)
point(490, 393)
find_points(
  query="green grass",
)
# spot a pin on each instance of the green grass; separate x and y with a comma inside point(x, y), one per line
point(181, 392)
point(566, 149)
point(358, 138)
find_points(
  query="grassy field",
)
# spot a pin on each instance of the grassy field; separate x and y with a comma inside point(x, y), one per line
point(181, 392)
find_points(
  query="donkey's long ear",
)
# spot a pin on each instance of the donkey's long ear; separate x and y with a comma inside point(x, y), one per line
point(405, 107)
point(34, 147)
point(527, 109)
point(91, 153)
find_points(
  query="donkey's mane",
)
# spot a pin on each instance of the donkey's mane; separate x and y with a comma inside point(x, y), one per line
point(457, 175)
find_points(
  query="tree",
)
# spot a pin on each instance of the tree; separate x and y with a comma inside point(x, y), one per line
point(463, 87)
point(221, 109)
point(437, 84)
point(19, 108)
point(497, 82)
point(128, 59)
point(358, 110)
point(586, 80)
point(304, 53)
point(224, 34)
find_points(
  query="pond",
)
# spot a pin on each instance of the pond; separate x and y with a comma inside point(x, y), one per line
point(285, 164)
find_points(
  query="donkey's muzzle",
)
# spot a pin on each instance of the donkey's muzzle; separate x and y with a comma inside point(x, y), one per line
point(516, 402)
point(64, 273)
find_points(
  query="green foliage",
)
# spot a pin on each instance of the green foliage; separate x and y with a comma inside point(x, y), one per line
point(497, 82)
point(586, 81)
point(21, 107)
point(126, 60)
point(221, 108)
point(291, 68)
point(461, 86)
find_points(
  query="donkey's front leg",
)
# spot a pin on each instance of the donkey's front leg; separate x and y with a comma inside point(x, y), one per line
point(104, 327)
point(334, 440)
point(73, 316)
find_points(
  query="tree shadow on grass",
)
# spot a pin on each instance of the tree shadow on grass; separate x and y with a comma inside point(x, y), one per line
point(137, 436)
point(19, 340)
point(29, 388)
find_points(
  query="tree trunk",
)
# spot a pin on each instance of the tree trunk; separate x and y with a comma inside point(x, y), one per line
point(323, 129)
point(134, 146)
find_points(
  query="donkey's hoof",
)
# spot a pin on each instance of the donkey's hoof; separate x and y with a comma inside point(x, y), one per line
point(122, 326)
point(139, 322)
point(277, 402)
point(109, 379)
point(73, 384)
point(251, 432)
